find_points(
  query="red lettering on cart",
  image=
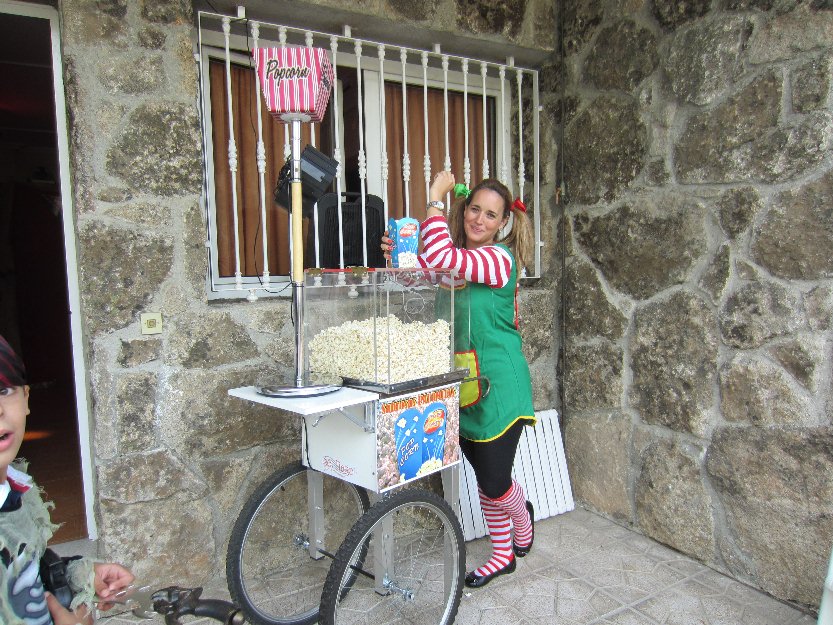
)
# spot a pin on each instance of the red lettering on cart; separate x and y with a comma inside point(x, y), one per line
point(434, 421)
point(438, 395)
point(274, 70)
point(398, 404)
point(337, 466)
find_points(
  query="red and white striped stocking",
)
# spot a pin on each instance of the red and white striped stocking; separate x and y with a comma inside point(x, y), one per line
point(513, 503)
point(501, 534)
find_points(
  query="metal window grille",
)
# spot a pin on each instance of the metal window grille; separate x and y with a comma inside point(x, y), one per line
point(482, 82)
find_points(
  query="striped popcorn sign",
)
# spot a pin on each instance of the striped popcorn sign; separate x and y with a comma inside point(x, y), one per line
point(294, 80)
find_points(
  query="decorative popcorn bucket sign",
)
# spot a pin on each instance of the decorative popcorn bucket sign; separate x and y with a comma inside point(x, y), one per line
point(295, 81)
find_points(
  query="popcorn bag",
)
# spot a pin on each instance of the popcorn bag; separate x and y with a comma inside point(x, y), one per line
point(405, 236)
point(294, 80)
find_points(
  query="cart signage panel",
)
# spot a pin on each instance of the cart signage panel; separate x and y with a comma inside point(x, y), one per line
point(417, 434)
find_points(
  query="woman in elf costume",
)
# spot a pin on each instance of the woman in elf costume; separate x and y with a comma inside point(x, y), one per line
point(490, 422)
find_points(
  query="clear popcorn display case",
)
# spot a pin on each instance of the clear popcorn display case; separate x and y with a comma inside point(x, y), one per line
point(383, 330)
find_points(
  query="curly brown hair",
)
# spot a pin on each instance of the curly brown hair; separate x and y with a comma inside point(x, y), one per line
point(520, 237)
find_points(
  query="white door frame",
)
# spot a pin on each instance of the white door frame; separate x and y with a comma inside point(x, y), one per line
point(82, 398)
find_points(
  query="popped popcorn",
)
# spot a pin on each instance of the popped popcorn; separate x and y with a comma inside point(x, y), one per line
point(417, 350)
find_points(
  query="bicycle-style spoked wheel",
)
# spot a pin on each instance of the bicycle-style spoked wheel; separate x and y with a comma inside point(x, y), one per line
point(273, 573)
point(412, 548)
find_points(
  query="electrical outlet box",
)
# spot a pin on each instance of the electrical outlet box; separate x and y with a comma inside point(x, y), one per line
point(151, 323)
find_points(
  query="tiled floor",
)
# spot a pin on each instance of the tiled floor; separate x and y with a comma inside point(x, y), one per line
point(586, 570)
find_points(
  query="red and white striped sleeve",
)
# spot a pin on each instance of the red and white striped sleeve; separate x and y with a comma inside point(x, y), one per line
point(490, 264)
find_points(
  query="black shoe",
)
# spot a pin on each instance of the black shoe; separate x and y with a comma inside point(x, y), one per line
point(522, 551)
point(478, 581)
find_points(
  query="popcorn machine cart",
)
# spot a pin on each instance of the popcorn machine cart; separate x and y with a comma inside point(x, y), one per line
point(308, 545)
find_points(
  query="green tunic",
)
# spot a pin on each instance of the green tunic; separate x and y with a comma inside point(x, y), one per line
point(484, 321)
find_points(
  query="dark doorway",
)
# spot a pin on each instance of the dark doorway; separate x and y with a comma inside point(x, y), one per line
point(34, 304)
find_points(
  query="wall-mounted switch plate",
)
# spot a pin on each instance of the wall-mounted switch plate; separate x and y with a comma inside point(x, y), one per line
point(151, 322)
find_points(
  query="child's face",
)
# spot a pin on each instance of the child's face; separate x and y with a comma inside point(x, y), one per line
point(14, 406)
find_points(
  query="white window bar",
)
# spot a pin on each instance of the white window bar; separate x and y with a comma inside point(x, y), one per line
point(483, 69)
point(447, 162)
point(232, 158)
point(287, 150)
point(362, 159)
point(261, 165)
point(383, 129)
point(337, 150)
point(521, 172)
point(406, 157)
point(504, 166)
point(426, 161)
point(466, 162)
point(308, 42)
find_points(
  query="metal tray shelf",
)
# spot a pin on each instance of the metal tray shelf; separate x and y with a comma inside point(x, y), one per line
point(409, 385)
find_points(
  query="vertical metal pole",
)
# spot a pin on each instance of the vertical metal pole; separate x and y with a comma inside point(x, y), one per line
point(297, 252)
point(315, 514)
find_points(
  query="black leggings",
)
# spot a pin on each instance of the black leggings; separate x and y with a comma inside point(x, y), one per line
point(492, 461)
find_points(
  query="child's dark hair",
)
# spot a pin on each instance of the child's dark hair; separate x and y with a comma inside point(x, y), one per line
point(520, 237)
point(12, 371)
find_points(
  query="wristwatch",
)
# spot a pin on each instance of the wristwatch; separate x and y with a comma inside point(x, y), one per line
point(440, 206)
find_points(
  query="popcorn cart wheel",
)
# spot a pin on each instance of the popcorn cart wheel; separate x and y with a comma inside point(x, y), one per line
point(274, 572)
point(416, 537)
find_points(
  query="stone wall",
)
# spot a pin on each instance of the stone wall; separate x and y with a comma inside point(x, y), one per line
point(174, 456)
point(699, 278)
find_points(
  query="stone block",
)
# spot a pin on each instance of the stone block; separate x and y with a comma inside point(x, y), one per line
point(137, 352)
point(803, 357)
point(703, 59)
point(810, 85)
point(149, 214)
point(134, 412)
point(90, 22)
point(117, 281)
point(623, 56)
point(581, 20)
point(150, 476)
point(201, 420)
point(795, 238)
point(131, 75)
point(716, 275)
point(224, 477)
point(598, 460)
point(417, 11)
point(758, 311)
point(736, 210)
point(589, 312)
point(819, 306)
point(674, 349)
point(537, 320)
point(152, 38)
point(608, 142)
point(673, 504)
point(776, 486)
point(593, 376)
point(672, 13)
point(165, 542)
point(753, 390)
point(159, 150)
point(788, 35)
point(644, 249)
point(208, 340)
point(491, 17)
point(544, 383)
point(166, 11)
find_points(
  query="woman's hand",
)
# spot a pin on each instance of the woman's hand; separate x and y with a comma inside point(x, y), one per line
point(61, 616)
point(387, 246)
point(441, 186)
point(110, 578)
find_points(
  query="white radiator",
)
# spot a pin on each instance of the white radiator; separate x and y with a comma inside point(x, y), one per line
point(540, 467)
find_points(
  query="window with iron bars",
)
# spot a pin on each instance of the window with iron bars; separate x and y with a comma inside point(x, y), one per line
point(397, 115)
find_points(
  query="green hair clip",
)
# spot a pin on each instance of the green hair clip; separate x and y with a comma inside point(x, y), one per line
point(461, 190)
